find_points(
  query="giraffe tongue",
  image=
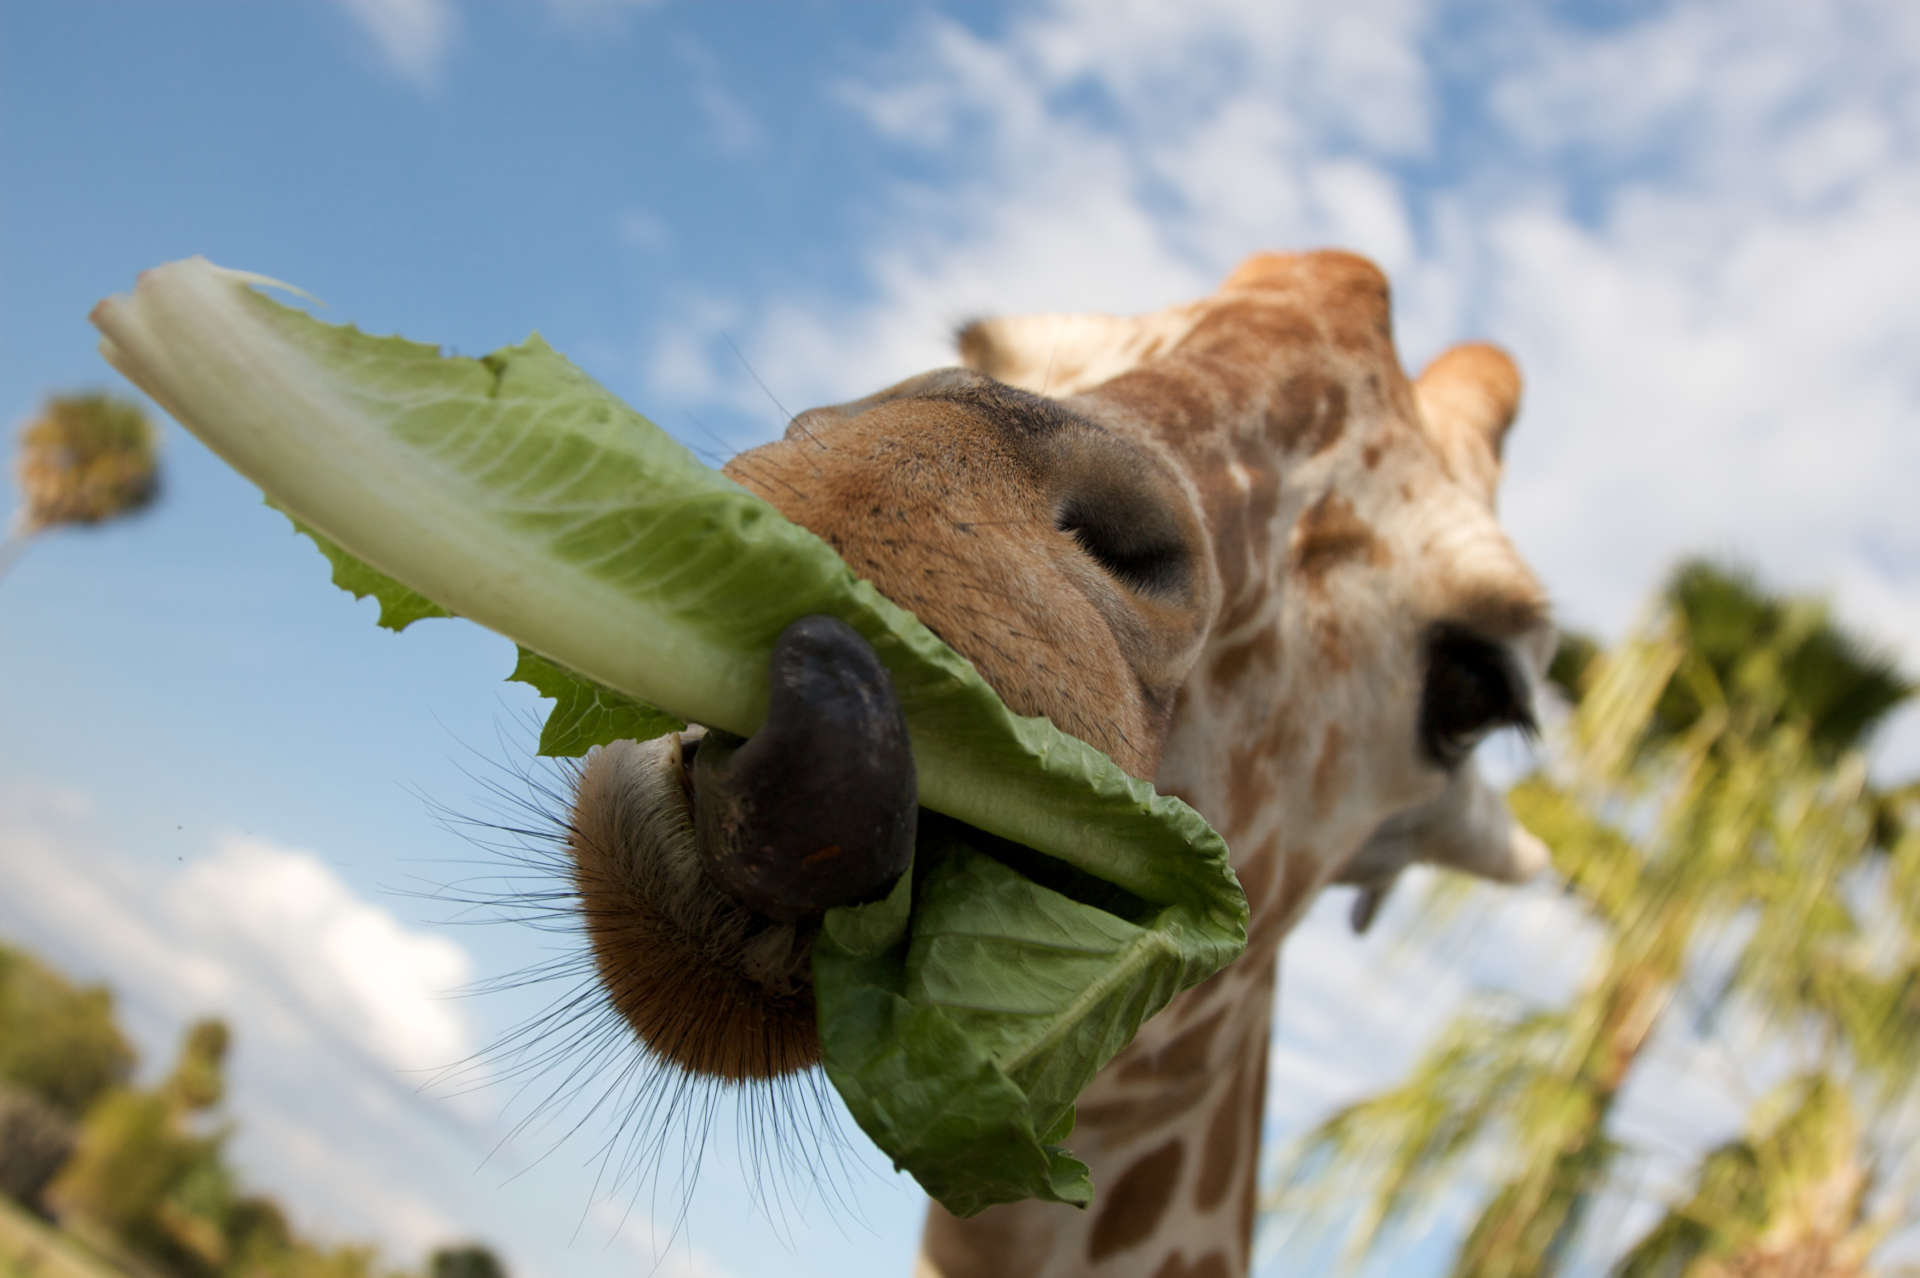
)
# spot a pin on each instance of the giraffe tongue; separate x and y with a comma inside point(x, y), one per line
point(819, 808)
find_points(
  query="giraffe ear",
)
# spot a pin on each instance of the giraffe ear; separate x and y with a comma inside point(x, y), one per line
point(1468, 398)
point(1061, 355)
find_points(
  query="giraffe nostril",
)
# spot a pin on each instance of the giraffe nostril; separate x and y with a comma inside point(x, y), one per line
point(820, 807)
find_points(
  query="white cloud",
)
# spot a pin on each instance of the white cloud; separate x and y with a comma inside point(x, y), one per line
point(404, 1220)
point(412, 35)
point(289, 920)
point(1695, 228)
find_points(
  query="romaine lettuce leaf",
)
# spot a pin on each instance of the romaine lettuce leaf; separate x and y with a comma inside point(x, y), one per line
point(646, 589)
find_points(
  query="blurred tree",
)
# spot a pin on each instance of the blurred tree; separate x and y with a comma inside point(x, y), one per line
point(142, 1173)
point(198, 1080)
point(257, 1235)
point(469, 1260)
point(1718, 796)
point(59, 1050)
point(306, 1260)
point(132, 1153)
point(58, 1041)
point(142, 1176)
point(35, 1139)
point(85, 459)
point(1785, 1200)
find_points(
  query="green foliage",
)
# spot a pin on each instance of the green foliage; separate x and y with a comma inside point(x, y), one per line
point(1573, 657)
point(467, 1261)
point(586, 713)
point(198, 1081)
point(257, 1232)
point(86, 459)
point(1716, 793)
point(1780, 661)
point(35, 1140)
point(1793, 1185)
point(58, 1041)
point(132, 1153)
point(143, 1175)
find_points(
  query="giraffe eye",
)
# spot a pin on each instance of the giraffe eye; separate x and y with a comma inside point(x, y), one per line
point(1471, 690)
point(1136, 542)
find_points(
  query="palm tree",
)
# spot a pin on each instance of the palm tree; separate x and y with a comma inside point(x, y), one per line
point(85, 459)
point(1717, 792)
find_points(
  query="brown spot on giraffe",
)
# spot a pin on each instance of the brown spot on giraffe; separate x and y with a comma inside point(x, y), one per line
point(1240, 660)
point(1329, 535)
point(1187, 1055)
point(1247, 788)
point(1226, 1137)
point(1256, 876)
point(1127, 1121)
point(1298, 878)
point(1250, 1185)
point(1173, 403)
point(1229, 1133)
point(1330, 643)
point(1326, 768)
point(1309, 414)
point(1244, 332)
point(1212, 1265)
point(1136, 1202)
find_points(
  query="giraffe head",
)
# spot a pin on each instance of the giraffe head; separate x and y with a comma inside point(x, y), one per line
point(1228, 543)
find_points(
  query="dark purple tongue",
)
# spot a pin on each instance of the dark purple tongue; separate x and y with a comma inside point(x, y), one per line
point(818, 809)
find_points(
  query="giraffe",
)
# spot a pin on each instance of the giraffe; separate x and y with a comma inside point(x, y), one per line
point(1232, 545)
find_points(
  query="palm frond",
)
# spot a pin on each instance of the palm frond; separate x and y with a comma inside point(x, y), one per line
point(86, 459)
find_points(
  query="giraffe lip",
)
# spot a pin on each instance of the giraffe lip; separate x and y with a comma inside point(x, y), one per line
point(820, 807)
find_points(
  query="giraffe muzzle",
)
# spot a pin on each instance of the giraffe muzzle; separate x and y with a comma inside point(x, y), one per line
point(820, 807)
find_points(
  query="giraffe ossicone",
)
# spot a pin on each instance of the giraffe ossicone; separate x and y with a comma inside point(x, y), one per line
point(1232, 545)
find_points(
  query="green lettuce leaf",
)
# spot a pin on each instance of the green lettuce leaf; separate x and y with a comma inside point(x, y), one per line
point(960, 1036)
point(585, 714)
point(514, 491)
point(399, 607)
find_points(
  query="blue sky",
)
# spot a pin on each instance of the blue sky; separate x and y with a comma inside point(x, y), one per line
point(1692, 222)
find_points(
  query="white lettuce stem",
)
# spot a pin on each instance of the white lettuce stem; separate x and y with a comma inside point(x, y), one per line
point(188, 336)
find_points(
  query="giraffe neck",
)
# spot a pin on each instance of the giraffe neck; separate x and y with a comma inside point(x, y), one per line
point(1171, 1128)
point(1349, 516)
point(1171, 1132)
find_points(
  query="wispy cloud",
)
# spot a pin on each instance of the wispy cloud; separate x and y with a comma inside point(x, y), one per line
point(1694, 228)
point(413, 36)
point(285, 918)
point(731, 123)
